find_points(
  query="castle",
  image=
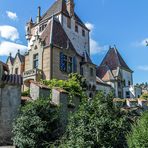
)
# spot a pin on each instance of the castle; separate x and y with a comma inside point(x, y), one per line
point(58, 44)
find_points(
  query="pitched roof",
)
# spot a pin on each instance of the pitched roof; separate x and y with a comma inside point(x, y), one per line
point(59, 36)
point(54, 34)
point(114, 60)
point(5, 66)
point(11, 59)
point(86, 58)
point(46, 35)
point(12, 79)
point(21, 57)
point(57, 7)
point(104, 73)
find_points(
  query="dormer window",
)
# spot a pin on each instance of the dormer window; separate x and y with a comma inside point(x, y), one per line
point(83, 32)
point(76, 28)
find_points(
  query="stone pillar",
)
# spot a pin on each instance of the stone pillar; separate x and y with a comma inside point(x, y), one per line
point(10, 100)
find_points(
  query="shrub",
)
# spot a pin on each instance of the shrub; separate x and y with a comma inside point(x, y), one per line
point(37, 125)
point(97, 124)
point(145, 96)
point(26, 93)
point(138, 137)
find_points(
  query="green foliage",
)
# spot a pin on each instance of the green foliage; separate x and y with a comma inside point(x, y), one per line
point(145, 96)
point(26, 93)
point(96, 124)
point(138, 137)
point(37, 125)
point(74, 85)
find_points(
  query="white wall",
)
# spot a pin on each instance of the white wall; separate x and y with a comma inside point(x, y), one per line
point(127, 76)
point(100, 87)
point(80, 42)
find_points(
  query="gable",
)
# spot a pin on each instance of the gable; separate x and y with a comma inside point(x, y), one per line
point(114, 60)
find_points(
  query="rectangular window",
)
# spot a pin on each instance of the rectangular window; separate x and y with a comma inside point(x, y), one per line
point(91, 72)
point(68, 22)
point(127, 94)
point(119, 84)
point(66, 63)
point(83, 32)
point(81, 71)
point(76, 28)
point(129, 83)
point(35, 60)
point(63, 62)
point(16, 71)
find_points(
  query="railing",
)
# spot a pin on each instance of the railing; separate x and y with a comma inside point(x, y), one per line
point(32, 72)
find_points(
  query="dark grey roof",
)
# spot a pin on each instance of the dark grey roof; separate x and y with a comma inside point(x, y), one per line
point(58, 6)
point(11, 59)
point(12, 79)
point(86, 58)
point(21, 57)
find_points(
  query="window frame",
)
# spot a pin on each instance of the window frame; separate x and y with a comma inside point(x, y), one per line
point(83, 33)
point(76, 28)
point(35, 61)
point(91, 72)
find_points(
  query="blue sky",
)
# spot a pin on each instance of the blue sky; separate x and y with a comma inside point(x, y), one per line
point(120, 22)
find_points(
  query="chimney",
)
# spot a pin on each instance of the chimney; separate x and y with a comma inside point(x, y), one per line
point(70, 7)
point(39, 14)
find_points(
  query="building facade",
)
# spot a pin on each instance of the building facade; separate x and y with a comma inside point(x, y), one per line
point(114, 71)
point(58, 44)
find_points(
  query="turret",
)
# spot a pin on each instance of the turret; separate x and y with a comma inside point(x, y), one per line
point(70, 7)
point(29, 26)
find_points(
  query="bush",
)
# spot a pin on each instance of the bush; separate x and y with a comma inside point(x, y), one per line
point(97, 124)
point(37, 125)
point(26, 93)
point(144, 96)
point(74, 85)
point(138, 137)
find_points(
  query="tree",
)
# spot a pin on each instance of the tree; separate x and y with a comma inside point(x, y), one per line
point(37, 125)
point(96, 124)
point(138, 137)
point(145, 96)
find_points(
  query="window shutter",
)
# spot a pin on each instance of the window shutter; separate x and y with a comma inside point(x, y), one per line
point(74, 64)
point(61, 61)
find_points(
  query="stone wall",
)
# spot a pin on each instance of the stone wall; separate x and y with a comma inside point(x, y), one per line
point(60, 97)
point(38, 90)
point(10, 100)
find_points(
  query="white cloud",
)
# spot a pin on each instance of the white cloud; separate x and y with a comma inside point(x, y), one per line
point(144, 42)
point(9, 32)
point(11, 15)
point(89, 26)
point(141, 43)
point(95, 48)
point(10, 47)
point(144, 68)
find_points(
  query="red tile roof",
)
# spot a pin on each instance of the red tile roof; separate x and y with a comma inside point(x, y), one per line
point(114, 60)
point(111, 64)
